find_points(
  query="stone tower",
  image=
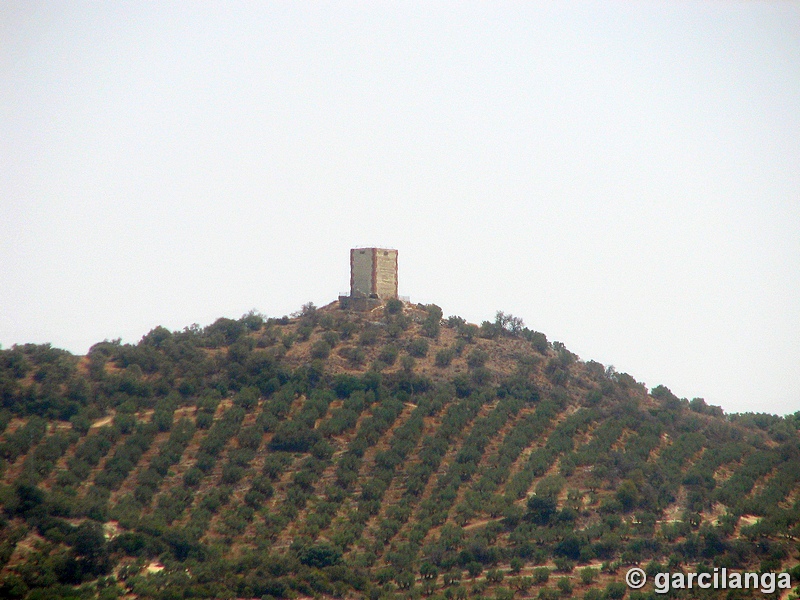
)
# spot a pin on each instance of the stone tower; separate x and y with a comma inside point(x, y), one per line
point(373, 278)
point(373, 273)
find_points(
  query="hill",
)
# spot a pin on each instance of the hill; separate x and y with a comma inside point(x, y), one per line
point(388, 454)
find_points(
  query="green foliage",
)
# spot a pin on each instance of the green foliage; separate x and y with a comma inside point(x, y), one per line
point(541, 575)
point(291, 436)
point(369, 336)
point(354, 355)
point(489, 330)
point(563, 564)
point(21, 440)
point(428, 571)
point(615, 590)
point(223, 332)
point(540, 509)
point(539, 341)
point(474, 568)
point(453, 577)
point(549, 487)
point(454, 322)
point(477, 358)
point(225, 449)
point(593, 594)
point(588, 575)
point(393, 306)
point(669, 400)
point(444, 357)
point(432, 323)
point(388, 354)
point(418, 347)
point(247, 397)
point(564, 586)
point(508, 324)
point(331, 338)
point(321, 349)
point(344, 385)
point(468, 332)
point(319, 555)
point(516, 565)
point(494, 576)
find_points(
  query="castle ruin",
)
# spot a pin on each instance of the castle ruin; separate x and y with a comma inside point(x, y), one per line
point(373, 278)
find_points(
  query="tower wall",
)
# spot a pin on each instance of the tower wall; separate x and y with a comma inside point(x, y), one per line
point(361, 263)
point(385, 273)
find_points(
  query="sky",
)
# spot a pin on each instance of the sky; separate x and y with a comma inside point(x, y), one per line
point(625, 177)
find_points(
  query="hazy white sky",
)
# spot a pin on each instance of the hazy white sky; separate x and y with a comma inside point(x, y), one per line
point(623, 176)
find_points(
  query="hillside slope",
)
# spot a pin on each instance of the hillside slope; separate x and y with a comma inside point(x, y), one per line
point(382, 454)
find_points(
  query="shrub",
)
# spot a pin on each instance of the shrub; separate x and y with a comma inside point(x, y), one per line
point(355, 356)
point(488, 330)
point(516, 565)
point(588, 575)
point(322, 450)
point(275, 463)
point(451, 577)
point(124, 423)
point(192, 477)
point(541, 575)
point(304, 331)
point(347, 329)
point(418, 347)
point(467, 332)
point(369, 336)
point(428, 571)
point(292, 436)
point(204, 420)
point(321, 349)
point(509, 324)
point(615, 590)
point(319, 556)
point(432, 322)
point(344, 385)
point(393, 306)
point(454, 322)
point(331, 338)
point(564, 565)
point(481, 375)
point(494, 576)
point(231, 473)
point(593, 594)
point(474, 568)
point(388, 354)
point(477, 358)
point(539, 341)
point(247, 397)
point(444, 357)
point(565, 587)
point(502, 593)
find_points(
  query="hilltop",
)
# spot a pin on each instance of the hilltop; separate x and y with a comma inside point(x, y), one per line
point(382, 454)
